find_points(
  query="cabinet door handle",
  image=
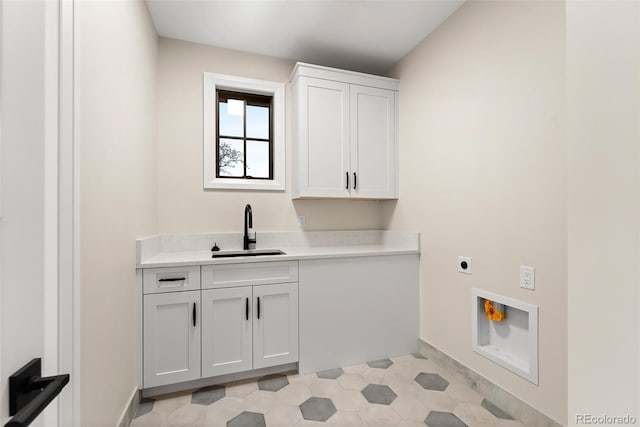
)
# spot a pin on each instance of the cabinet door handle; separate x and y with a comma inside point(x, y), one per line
point(347, 174)
point(246, 309)
point(258, 307)
point(355, 180)
point(172, 279)
point(194, 314)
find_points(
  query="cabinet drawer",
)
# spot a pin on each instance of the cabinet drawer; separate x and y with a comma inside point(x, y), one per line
point(257, 273)
point(170, 279)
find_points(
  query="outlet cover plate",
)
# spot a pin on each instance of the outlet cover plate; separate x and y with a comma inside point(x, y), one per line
point(469, 268)
point(527, 277)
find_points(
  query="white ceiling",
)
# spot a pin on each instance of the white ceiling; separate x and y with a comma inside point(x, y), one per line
point(367, 36)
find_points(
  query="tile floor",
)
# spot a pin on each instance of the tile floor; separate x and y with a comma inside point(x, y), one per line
point(402, 391)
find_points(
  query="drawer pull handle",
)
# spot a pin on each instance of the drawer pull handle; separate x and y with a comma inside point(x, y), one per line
point(194, 314)
point(258, 307)
point(246, 309)
point(355, 181)
point(172, 279)
point(347, 187)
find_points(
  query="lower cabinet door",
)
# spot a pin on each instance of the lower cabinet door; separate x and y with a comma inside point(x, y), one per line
point(275, 324)
point(226, 330)
point(171, 338)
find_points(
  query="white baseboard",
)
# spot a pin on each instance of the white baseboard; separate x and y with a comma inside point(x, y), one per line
point(130, 409)
point(507, 402)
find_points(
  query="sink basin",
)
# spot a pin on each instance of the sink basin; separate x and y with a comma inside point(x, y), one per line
point(250, 252)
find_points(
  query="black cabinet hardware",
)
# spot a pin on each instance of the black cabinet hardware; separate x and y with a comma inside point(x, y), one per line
point(258, 307)
point(29, 393)
point(215, 247)
point(172, 279)
point(347, 187)
point(355, 180)
point(246, 309)
point(194, 314)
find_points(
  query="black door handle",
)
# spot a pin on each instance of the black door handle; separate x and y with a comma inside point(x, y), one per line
point(29, 393)
point(172, 279)
point(246, 309)
point(258, 307)
point(347, 174)
point(355, 180)
point(194, 314)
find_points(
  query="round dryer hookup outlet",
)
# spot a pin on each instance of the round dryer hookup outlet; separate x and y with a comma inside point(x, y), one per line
point(465, 265)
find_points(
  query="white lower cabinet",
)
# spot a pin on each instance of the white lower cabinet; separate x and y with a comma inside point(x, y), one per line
point(249, 327)
point(357, 309)
point(226, 331)
point(171, 338)
point(275, 325)
point(219, 328)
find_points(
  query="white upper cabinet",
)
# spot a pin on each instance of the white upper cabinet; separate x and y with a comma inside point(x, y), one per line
point(344, 134)
point(373, 142)
point(323, 108)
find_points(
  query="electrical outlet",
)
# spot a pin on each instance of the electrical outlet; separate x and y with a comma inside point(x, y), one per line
point(302, 220)
point(527, 277)
point(464, 265)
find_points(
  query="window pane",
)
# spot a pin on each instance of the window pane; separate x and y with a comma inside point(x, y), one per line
point(257, 122)
point(231, 158)
point(258, 159)
point(230, 124)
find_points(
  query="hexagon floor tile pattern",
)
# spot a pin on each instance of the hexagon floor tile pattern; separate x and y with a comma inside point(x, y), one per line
point(443, 419)
point(430, 381)
point(247, 419)
point(273, 382)
point(381, 393)
point(380, 364)
point(499, 413)
point(317, 409)
point(208, 395)
point(330, 374)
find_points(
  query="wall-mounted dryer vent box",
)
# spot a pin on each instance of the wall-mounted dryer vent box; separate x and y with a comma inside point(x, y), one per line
point(512, 343)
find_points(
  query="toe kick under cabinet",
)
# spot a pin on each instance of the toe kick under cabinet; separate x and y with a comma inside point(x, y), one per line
point(201, 322)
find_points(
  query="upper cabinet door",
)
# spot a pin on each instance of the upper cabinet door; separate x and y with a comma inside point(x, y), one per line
point(322, 148)
point(373, 142)
point(171, 338)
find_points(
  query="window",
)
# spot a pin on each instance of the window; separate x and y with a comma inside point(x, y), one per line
point(243, 133)
point(244, 136)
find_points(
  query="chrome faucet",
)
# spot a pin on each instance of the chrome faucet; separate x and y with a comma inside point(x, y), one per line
point(248, 223)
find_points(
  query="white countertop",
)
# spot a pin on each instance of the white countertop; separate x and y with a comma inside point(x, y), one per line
point(173, 251)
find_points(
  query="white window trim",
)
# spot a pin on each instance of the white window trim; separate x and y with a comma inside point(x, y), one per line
point(214, 81)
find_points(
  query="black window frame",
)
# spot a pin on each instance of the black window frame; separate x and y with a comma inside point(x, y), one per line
point(249, 99)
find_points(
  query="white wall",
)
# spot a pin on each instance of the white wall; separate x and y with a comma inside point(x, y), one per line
point(603, 133)
point(183, 205)
point(483, 174)
point(116, 61)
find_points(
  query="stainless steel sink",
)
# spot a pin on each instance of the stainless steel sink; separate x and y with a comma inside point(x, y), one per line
point(250, 252)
